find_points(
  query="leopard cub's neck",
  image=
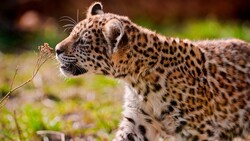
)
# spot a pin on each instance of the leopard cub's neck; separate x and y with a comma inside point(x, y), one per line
point(150, 57)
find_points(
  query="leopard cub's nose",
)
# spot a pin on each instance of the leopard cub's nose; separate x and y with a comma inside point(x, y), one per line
point(64, 46)
point(59, 49)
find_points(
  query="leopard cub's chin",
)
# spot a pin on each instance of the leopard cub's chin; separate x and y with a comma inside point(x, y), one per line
point(70, 70)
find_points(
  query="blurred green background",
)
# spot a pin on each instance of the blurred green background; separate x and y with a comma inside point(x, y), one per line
point(89, 108)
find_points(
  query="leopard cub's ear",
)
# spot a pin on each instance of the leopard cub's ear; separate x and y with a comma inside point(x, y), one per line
point(94, 9)
point(113, 32)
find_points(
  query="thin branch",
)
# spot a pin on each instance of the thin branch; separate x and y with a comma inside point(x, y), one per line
point(3, 100)
point(45, 53)
point(18, 127)
point(13, 79)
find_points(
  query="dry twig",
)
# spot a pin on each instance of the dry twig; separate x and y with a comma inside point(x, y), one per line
point(19, 131)
point(45, 53)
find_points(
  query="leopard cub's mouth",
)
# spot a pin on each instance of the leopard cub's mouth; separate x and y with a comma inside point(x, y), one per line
point(69, 67)
point(72, 69)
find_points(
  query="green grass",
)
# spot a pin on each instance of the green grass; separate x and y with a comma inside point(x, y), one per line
point(201, 29)
point(85, 107)
point(89, 106)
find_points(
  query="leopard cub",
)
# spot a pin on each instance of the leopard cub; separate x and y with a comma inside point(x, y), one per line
point(181, 89)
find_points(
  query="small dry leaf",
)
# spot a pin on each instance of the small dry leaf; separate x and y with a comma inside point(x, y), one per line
point(45, 49)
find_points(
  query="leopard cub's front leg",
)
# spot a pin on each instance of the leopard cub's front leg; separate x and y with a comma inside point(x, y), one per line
point(136, 127)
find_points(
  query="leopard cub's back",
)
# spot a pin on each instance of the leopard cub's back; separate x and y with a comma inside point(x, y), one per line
point(228, 60)
point(228, 74)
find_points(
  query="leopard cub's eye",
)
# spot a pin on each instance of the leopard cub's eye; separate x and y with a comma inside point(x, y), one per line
point(82, 41)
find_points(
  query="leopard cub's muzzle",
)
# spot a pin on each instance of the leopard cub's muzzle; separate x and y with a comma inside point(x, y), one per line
point(68, 62)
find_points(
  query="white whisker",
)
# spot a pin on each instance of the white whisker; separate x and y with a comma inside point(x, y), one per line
point(69, 25)
point(66, 29)
point(69, 19)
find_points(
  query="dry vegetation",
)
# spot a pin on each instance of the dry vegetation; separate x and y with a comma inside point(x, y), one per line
point(45, 53)
point(46, 105)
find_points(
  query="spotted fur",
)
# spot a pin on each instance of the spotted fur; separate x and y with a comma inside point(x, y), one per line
point(174, 88)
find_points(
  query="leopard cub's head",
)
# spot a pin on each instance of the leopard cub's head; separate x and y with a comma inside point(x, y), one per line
point(91, 43)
